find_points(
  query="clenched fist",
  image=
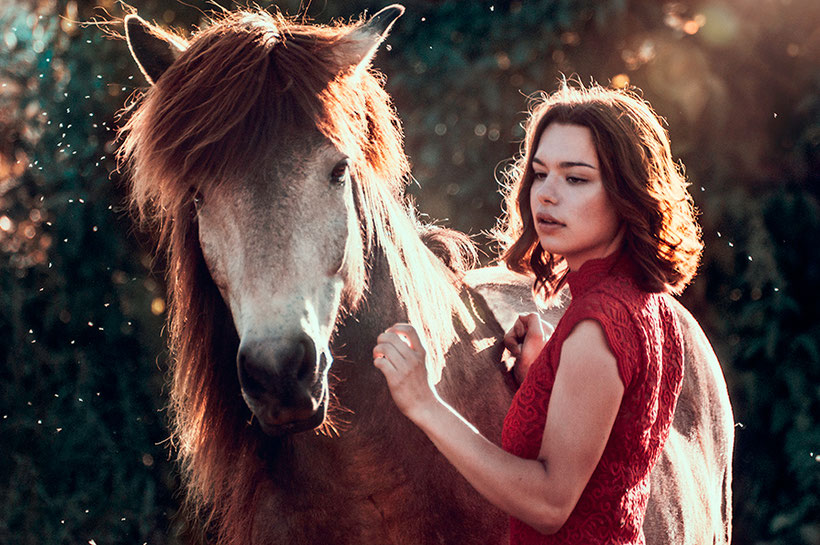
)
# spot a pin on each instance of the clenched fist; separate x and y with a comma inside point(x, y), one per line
point(525, 340)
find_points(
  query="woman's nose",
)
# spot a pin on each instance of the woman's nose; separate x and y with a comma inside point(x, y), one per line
point(545, 190)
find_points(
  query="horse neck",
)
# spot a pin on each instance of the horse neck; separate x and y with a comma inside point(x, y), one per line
point(360, 383)
point(473, 362)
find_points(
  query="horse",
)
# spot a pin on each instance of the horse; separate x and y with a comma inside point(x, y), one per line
point(268, 158)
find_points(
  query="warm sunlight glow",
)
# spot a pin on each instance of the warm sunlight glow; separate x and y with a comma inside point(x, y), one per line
point(157, 306)
point(691, 27)
point(620, 81)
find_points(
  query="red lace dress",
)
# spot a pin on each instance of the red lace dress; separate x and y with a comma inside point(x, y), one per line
point(645, 337)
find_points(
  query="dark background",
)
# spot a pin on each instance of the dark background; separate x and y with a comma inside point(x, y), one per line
point(83, 450)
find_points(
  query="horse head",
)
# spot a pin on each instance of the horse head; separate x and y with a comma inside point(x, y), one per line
point(253, 134)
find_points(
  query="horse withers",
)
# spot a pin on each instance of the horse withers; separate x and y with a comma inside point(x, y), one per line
point(269, 159)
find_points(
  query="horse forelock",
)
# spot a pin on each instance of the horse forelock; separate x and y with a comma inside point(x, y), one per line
point(212, 115)
point(240, 83)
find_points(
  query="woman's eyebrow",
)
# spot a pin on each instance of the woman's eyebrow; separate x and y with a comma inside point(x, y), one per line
point(566, 164)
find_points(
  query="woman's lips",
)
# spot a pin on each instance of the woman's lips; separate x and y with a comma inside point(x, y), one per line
point(545, 220)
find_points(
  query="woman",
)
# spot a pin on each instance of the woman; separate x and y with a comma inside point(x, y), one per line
point(599, 205)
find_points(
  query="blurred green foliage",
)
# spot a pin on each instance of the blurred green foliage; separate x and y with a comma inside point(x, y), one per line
point(79, 345)
point(81, 355)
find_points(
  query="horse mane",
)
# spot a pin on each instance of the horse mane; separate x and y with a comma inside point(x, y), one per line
point(455, 249)
point(240, 83)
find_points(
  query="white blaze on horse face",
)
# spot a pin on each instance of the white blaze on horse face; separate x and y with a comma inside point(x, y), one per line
point(274, 245)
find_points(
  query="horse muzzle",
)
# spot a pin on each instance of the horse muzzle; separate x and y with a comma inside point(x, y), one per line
point(284, 383)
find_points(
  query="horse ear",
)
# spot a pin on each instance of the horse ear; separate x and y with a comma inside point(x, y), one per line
point(366, 39)
point(153, 49)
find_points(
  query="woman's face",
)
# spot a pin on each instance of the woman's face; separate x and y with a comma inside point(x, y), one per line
point(571, 210)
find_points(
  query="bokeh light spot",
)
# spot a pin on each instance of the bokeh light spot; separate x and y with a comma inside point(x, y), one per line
point(157, 306)
point(6, 224)
point(691, 27)
point(721, 25)
point(620, 81)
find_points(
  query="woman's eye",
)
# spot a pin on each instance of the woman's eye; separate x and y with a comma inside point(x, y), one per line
point(575, 180)
point(339, 173)
point(540, 175)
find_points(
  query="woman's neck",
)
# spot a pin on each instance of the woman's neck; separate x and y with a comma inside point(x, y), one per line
point(576, 261)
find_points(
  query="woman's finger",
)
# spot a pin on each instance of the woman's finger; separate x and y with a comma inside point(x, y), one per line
point(534, 325)
point(384, 365)
point(512, 342)
point(397, 342)
point(520, 326)
point(514, 338)
point(409, 332)
point(389, 351)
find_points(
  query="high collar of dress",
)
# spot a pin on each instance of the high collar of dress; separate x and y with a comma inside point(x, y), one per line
point(593, 271)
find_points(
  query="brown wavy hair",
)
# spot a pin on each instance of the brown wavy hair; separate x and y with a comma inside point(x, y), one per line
point(645, 185)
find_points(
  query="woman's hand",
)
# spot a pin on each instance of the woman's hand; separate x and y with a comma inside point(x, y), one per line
point(400, 356)
point(525, 340)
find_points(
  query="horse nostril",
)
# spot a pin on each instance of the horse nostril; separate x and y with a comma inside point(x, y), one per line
point(305, 360)
point(252, 378)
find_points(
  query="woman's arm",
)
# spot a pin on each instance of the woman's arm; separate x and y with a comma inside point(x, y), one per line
point(542, 493)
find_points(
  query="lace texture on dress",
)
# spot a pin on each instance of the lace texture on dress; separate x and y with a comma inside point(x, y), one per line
point(644, 335)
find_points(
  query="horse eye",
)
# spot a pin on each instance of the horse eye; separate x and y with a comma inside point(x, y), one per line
point(339, 172)
point(198, 199)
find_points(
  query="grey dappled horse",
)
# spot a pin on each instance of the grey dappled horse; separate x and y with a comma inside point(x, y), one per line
point(268, 157)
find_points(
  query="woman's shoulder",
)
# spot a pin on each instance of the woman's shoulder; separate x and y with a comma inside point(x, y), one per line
point(609, 300)
point(612, 318)
point(609, 308)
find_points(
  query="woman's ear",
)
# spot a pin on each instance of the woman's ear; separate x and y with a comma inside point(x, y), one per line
point(153, 49)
